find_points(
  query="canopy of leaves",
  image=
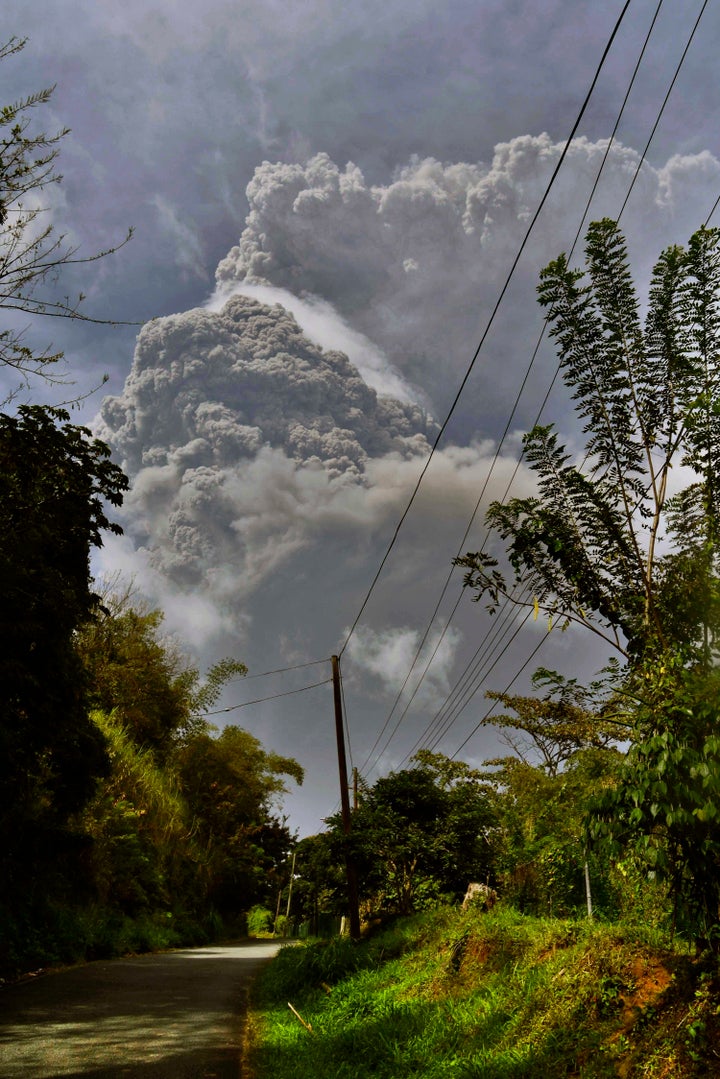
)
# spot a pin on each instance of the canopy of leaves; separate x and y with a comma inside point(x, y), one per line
point(230, 783)
point(54, 481)
point(666, 802)
point(616, 544)
point(554, 727)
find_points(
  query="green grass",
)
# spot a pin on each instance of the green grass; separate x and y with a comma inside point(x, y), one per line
point(494, 996)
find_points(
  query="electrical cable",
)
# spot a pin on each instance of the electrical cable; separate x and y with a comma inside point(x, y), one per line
point(662, 107)
point(279, 670)
point(506, 430)
point(714, 208)
point(490, 321)
point(260, 700)
point(624, 204)
point(496, 628)
point(509, 686)
point(480, 666)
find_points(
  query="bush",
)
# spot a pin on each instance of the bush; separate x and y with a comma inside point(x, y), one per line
point(259, 921)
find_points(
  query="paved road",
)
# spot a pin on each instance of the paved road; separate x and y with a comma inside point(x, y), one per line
point(178, 1015)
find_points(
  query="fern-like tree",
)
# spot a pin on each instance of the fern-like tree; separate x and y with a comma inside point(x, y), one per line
point(620, 544)
point(142, 676)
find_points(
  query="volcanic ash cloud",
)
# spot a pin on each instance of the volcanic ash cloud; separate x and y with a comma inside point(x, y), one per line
point(417, 263)
point(244, 439)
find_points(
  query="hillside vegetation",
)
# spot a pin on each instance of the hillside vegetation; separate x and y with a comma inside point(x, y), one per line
point(495, 995)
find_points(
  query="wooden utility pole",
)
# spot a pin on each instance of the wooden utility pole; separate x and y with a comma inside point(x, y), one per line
point(352, 885)
point(292, 878)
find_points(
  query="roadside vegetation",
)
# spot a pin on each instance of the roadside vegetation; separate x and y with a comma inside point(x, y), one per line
point(496, 995)
point(177, 833)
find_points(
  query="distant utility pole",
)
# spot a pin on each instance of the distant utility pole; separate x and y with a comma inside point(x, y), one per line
point(292, 878)
point(352, 884)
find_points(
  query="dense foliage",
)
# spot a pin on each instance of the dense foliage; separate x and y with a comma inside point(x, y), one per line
point(54, 478)
point(421, 833)
point(173, 839)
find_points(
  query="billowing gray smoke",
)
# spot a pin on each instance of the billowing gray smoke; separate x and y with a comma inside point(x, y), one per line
point(416, 265)
point(218, 386)
point(238, 432)
point(248, 443)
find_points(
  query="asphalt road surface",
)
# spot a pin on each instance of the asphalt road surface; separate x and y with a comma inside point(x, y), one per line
point(178, 1015)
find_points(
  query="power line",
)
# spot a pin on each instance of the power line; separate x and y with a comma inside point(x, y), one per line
point(518, 396)
point(279, 670)
point(490, 322)
point(505, 433)
point(475, 672)
point(509, 686)
point(419, 683)
point(714, 208)
point(433, 725)
point(662, 107)
point(261, 700)
point(496, 456)
point(624, 204)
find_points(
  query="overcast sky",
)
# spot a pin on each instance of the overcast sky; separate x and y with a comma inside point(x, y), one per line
point(326, 201)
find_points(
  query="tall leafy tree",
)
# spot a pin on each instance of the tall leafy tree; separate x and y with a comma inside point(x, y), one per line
point(320, 888)
point(141, 675)
point(563, 721)
point(618, 544)
point(230, 784)
point(143, 854)
point(563, 756)
point(55, 481)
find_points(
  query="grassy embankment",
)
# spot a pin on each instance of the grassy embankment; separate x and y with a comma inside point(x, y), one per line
point(487, 996)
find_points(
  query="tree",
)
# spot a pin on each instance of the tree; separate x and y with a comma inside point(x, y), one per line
point(144, 856)
point(54, 481)
point(540, 845)
point(543, 856)
point(610, 543)
point(421, 832)
point(592, 546)
point(143, 678)
point(32, 254)
point(558, 725)
point(321, 887)
point(230, 783)
point(664, 808)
